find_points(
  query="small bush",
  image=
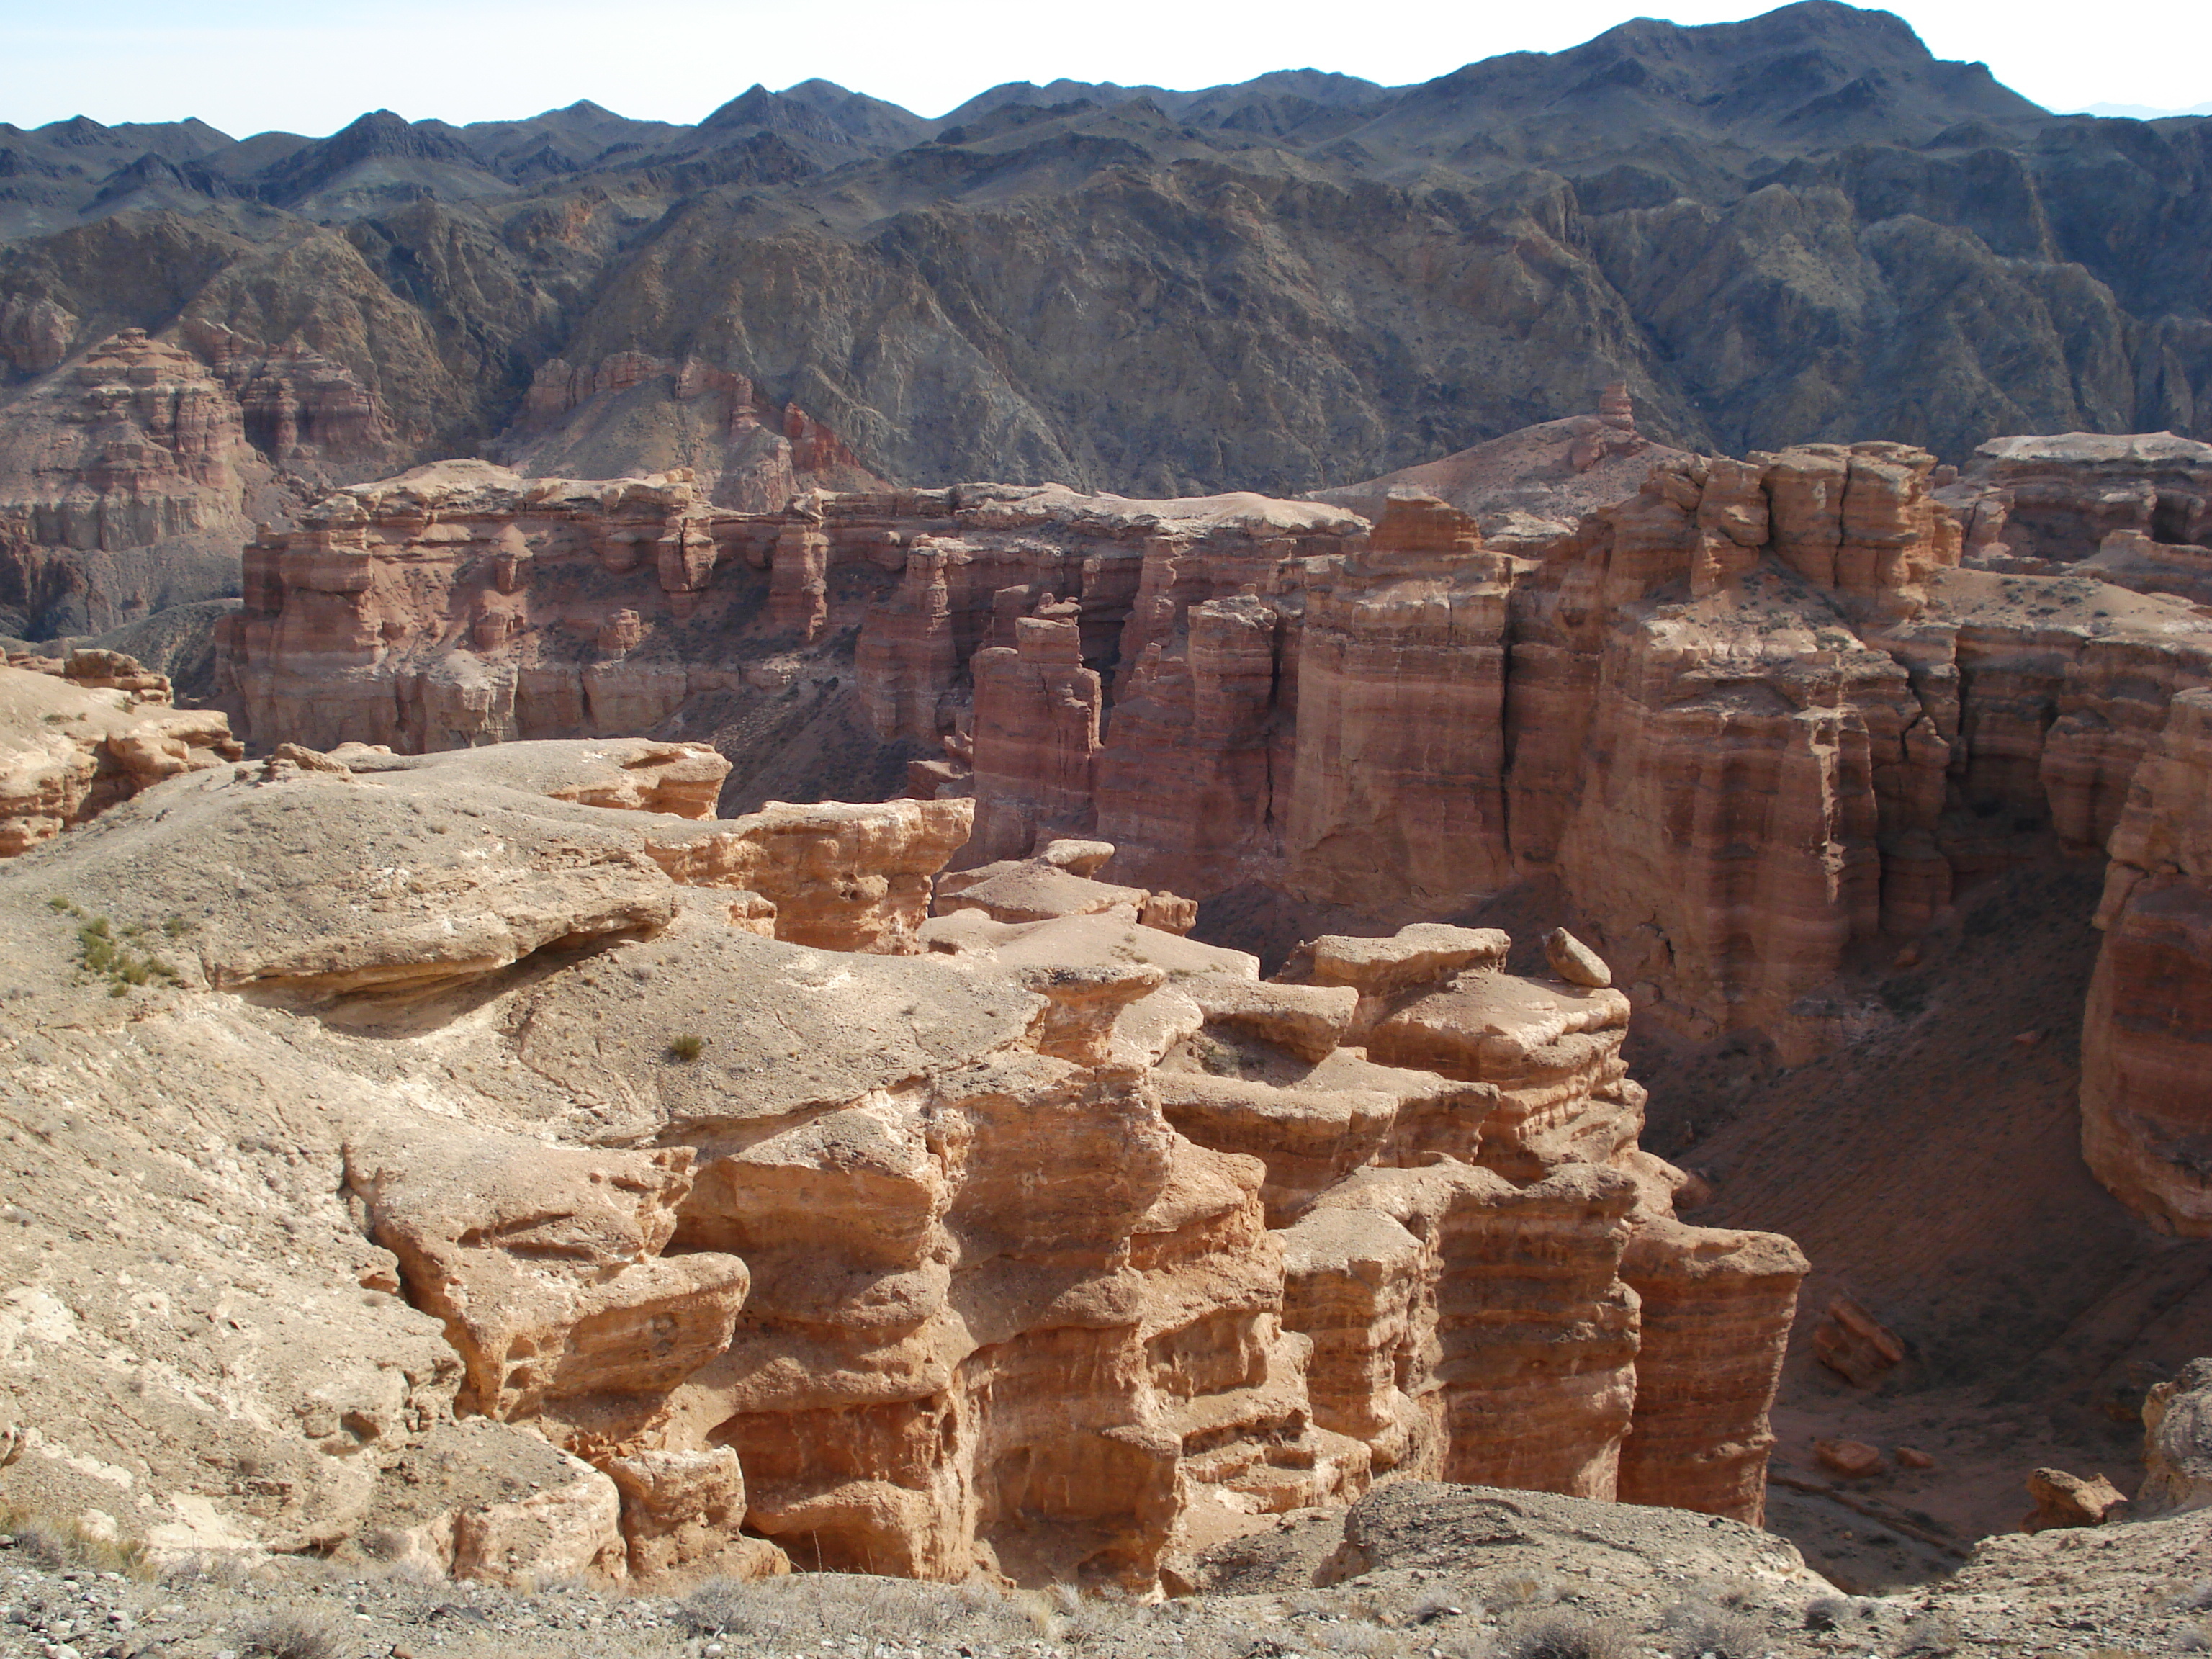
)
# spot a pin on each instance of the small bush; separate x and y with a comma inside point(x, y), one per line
point(715, 1605)
point(1566, 1636)
point(1701, 1631)
point(44, 1543)
point(55, 1544)
point(102, 954)
point(686, 1048)
point(286, 1635)
point(1359, 1639)
point(1828, 1611)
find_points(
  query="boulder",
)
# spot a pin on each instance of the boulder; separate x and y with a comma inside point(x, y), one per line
point(2178, 1444)
point(2067, 1500)
point(1850, 1342)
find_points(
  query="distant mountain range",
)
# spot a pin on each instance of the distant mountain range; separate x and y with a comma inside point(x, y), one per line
point(1803, 226)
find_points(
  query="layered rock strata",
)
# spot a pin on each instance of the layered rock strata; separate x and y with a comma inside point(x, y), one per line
point(2146, 1088)
point(465, 604)
point(1022, 1253)
point(78, 736)
point(631, 411)
point(2132, 509)
point(1758, 720)
point(129, 478)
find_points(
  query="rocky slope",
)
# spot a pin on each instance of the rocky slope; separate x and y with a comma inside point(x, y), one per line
point(489, 1161)
point(1797, 227)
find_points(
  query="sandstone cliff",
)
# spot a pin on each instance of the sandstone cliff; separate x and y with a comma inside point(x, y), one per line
point(1756, 718)
point(517, 1148)
point(1759, 721)
point(2146, 1105)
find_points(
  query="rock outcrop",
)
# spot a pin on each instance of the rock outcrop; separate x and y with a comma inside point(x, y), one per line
point(1535, 483)
point(1754, 718)
point(1758, 720)
point(2146, 1094)
point(2178, 1444)
point(465, 604)
point(634, 412)
point(131, 477)
point(2135, 510)
point(78, 736)
point(1027, 1252)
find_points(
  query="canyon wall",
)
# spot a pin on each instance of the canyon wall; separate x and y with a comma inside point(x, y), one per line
point(760, 1217)
point(2146, 1088)
point(1758, 720)
point(131, 477)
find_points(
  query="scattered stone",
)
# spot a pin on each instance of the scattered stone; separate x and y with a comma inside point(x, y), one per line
point(1574, 961)
point(1854, 1460)
point(1850, 1342)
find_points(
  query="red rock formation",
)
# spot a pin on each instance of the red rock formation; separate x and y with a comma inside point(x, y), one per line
point(1471, 1230)
point(798, 583)
point(2177, 1418)
point(2134, 510)
point(129, 478)
point(2146, 1074)
point(1718, 1306)
point(747, 452)
point(1850, 1342)
point(34, 334)
point(1539, 480)
point(2068, 1500)
point(842, 877)
point(1038, 737)
point(302, 411)
point(77, 737)
point(1400, 745)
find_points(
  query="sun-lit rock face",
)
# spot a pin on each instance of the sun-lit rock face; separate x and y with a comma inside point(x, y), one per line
point(617, 1236)
point(78, 736)
point(1755, 718)
point(1758, 720)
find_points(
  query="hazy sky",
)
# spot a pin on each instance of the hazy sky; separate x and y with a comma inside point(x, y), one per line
point(310, 66)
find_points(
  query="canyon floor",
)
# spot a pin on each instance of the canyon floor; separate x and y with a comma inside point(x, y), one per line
point(1932, 1172)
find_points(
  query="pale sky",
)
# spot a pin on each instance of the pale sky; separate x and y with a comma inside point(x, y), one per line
point(310, 65)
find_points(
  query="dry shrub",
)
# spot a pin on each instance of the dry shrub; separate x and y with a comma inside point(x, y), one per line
point(1566, 1636)
point(289, 1635)
point(1701, 1630)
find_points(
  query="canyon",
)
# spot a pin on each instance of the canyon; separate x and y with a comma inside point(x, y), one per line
point(1755, 725)
point(1359, 967)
